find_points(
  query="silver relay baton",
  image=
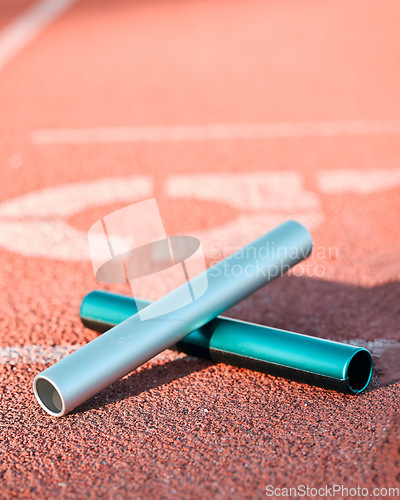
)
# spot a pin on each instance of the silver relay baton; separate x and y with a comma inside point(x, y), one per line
point(76, 378)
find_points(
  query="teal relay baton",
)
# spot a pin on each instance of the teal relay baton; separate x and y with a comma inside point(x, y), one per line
point(300, 357)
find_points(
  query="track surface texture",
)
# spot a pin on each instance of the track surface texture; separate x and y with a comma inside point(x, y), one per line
point(235, 115)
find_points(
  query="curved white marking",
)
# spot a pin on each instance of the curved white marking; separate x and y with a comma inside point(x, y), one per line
point(265, 200)
point(45, 233)
point(35, 224)
point(70, 199)
point(358, 181)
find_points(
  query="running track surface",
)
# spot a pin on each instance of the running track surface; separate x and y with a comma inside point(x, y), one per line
point(235, 116)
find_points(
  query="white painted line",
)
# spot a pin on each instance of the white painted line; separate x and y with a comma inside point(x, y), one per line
point(69, 199)
point(30, 354)
point(20, 32)
point(36, 223)
point(212, 132)
point(376, 347)
point(358, 181)
point(259, 199)
point(256, 191)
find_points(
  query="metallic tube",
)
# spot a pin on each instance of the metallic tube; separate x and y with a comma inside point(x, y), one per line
point(76, 378)
point(307, 359)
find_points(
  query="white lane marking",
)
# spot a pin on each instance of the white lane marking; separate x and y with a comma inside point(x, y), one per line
point(376, 346)
point(212, 132)
point(34, 224)
point(69, 199)
point(30, 354)
point(20, 32)
point(274, 190)
point(264, 200)
point(357, 181)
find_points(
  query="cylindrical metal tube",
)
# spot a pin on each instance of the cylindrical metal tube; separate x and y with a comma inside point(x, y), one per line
point(104, 360)
point(317, 361)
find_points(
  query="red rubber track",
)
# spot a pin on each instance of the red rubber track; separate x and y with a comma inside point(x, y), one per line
point(181, 427)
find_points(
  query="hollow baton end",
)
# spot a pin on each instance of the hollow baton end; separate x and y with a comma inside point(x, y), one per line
point(49, 396)
point(358, 371)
